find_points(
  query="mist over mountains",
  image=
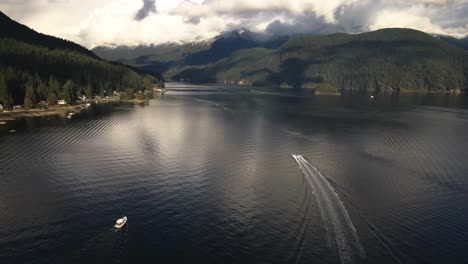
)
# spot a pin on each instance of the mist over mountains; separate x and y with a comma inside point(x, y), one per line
point(133, 22)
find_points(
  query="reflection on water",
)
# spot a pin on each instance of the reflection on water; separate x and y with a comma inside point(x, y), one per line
point(207, 176)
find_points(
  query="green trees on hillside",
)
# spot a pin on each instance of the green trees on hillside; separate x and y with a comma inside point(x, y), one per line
point(30, 74)
point(383, 60)
point(68, 92)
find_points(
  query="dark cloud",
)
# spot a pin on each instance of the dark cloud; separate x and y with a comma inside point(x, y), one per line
point(306, 24)
point(149, 6)
point(358, 16)
point(192, 20)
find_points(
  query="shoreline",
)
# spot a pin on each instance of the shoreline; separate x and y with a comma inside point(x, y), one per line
point(13, 115)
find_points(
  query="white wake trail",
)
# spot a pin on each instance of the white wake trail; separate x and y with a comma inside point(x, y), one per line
point(333, 211)
point(320, 203)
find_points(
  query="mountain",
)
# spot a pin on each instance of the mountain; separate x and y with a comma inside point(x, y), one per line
point(153, 58)
point(460, 42)
point(389, 59)
point(170, 57)
point(36, 67)
point(230, 42)
point(382, 60)
point(14, 30)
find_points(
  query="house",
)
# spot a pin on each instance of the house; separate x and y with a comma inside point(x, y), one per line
point(17, 107)
point(1, 107)
point(62, 102)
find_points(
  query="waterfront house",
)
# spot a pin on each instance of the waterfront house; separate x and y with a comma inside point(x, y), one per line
point(62, 102)
point(17, 107)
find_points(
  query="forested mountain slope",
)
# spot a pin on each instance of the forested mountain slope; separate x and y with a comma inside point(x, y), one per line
point(170, 58)
point(36, 67)
point(382, 60)
point(388, 59)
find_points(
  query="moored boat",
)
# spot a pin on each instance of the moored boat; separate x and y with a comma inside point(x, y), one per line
point(120, 222)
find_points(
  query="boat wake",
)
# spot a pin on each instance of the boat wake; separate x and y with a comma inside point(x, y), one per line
point(213, 104)
point(299, 135)
point(339, 228)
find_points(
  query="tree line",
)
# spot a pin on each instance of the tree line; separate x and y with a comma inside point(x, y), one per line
point(30, 74)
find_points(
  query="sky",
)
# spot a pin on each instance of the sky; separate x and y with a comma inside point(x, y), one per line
point(132, 22)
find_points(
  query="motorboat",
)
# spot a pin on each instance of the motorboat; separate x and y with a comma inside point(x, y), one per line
point(120, 222)
point(297, 157)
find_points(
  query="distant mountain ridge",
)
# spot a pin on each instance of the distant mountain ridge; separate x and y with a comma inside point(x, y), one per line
point(167, 57)
point(232, 41)
point(461, 42)
point(382, 60)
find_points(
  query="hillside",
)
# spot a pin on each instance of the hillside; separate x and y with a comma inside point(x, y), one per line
point(36, 67)
point(12, 29)
point(383, 60)
point(460, 42)
point(170, 58)
point(153, 58)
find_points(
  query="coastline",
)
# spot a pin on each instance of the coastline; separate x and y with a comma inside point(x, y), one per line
point(6, 116)
point(13, 115)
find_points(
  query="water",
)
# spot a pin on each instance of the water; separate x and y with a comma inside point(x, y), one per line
point(334, 214)
point(205, 175)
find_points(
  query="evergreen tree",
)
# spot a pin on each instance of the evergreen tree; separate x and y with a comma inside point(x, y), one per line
point(29, 97)
point(5, 95)
point(89, 91)
point(52, 97)
point(101, 91)
point(42, 90)
point(53, 84)
point(69, 92)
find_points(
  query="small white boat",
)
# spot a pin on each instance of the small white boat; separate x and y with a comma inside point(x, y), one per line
point(296, 156)
point(120, 222)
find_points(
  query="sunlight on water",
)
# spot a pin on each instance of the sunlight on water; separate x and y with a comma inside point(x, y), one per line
point(207, 177)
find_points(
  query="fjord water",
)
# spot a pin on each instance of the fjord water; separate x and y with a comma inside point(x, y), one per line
point(205, 175)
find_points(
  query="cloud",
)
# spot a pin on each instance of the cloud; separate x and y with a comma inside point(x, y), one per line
point(192, 20)
point(96, 22)
point(305, 24)
point(149, 6)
